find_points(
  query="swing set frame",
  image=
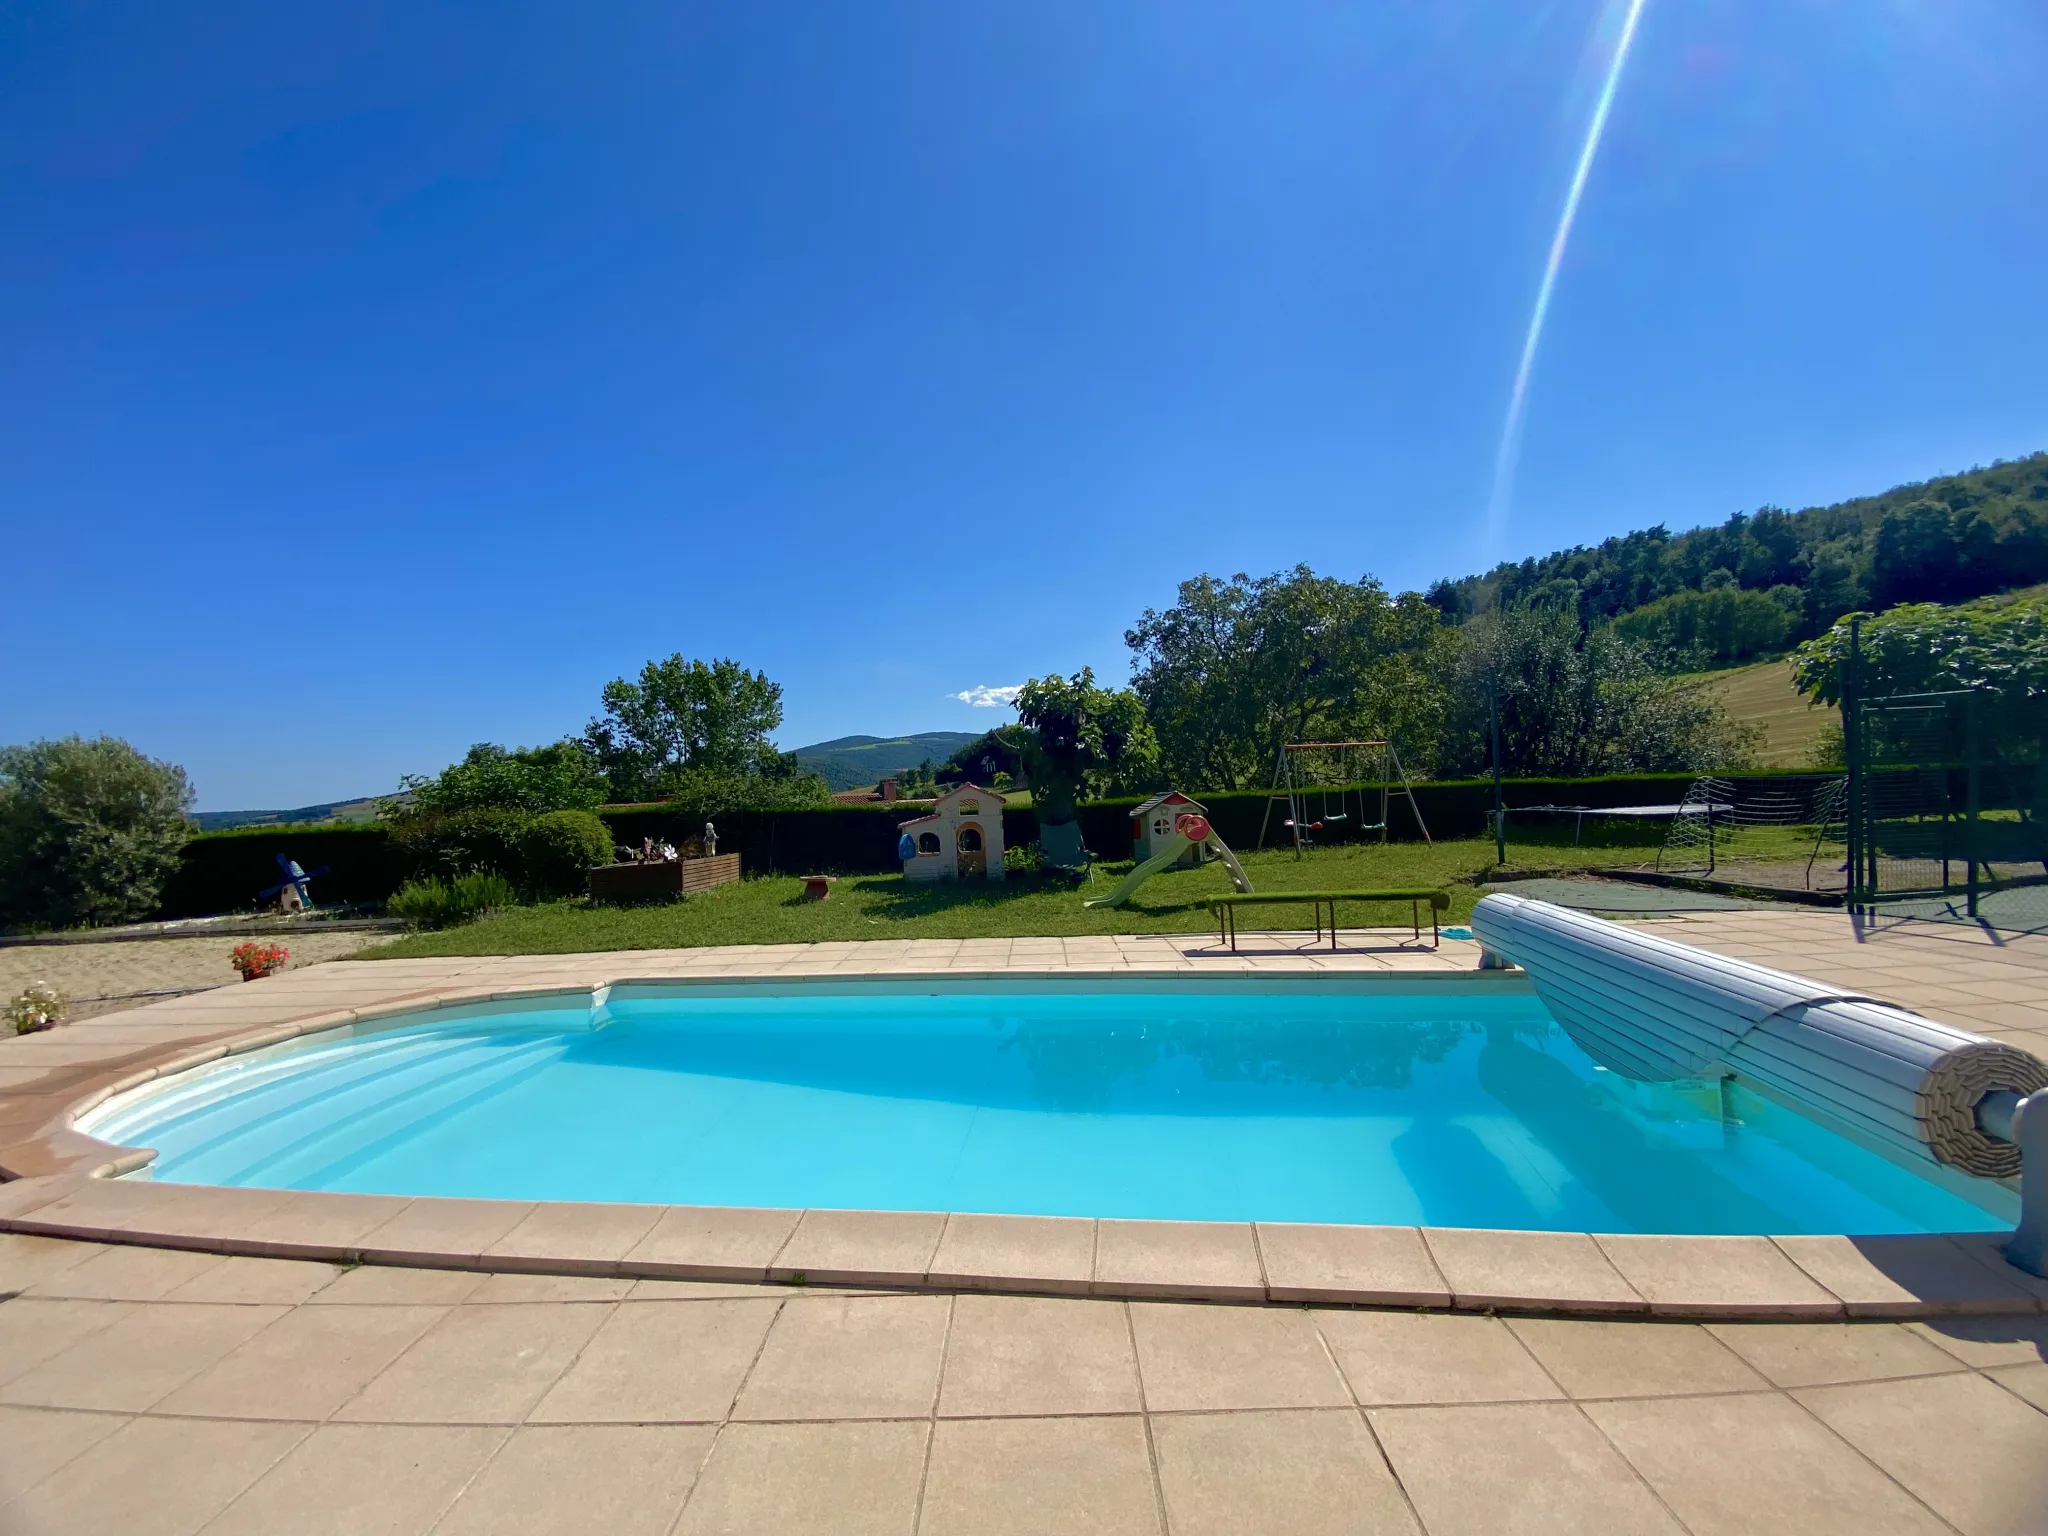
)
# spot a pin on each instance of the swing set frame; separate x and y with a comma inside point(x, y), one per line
point(1291, 783)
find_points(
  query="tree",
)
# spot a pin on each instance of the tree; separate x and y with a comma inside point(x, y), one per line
point(1575, 702)
point(89, 831)
point(1236, 668)
point(535, 780)
point(2000, 646)
point(701, 717)
point(1080, 739)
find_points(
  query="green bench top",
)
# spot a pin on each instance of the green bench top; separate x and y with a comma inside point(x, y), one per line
point(1436, 898)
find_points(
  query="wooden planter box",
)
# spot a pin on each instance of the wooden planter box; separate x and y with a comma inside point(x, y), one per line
point(663, 881)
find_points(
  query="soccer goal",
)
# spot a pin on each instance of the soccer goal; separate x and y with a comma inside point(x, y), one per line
point(1337, 791)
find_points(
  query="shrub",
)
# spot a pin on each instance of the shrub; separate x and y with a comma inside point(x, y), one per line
point(39, 1006)
point(89, 831)
point(1722, 625)
point(438, 903)
point(484, 840)
point(557, 850)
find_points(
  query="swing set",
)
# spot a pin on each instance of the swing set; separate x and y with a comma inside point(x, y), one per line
point(1332, 787)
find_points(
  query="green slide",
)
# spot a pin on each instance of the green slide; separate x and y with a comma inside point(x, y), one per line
point(1171, 856)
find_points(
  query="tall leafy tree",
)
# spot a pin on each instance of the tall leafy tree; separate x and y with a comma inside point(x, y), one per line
point(1236, 668)
point(89, 831)
point(681, 717)
point(1081, 739)
point(565, 776)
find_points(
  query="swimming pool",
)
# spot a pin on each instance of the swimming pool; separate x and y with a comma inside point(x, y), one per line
point(1455, 1104)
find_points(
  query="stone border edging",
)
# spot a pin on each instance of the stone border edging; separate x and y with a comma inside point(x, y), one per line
point(74, 1195)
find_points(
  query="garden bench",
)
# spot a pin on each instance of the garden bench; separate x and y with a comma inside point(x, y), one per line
point(1225, 908)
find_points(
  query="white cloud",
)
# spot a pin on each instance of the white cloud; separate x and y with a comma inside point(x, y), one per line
point(989, 695)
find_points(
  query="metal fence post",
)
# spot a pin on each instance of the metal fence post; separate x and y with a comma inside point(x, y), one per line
point(1971, 793)
point(1852, 755)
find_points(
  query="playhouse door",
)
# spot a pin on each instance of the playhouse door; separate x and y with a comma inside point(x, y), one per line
point(973, 858)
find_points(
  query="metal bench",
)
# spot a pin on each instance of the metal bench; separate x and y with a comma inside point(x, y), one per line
point(1225, 908)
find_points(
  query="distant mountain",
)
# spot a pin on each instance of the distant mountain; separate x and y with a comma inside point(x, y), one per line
point(306, 815)
point(847, 762)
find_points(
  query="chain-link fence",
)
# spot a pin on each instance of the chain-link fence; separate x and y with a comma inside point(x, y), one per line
point(1948, 806)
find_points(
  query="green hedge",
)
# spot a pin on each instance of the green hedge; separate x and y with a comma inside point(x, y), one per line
point(223, 871)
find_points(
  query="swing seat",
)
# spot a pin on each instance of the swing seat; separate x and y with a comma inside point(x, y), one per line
point(1337, 818)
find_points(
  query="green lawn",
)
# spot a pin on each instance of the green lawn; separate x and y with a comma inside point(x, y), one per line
point(771, 910)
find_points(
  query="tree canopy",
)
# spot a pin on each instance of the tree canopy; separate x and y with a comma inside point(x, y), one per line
point(1941, 540)
point(1081, 739)
point(687, 719)
point(1998, 646)
point(89, 831)
point(562, 777)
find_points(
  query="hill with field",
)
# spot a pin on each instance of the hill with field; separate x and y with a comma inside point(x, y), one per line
point(848, 762)
point(1943, 540)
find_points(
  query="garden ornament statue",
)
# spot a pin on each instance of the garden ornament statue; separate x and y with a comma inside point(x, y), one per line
point(294, 892)
point(710, 841)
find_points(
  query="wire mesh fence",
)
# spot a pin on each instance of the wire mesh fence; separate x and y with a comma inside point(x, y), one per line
point(1948, 806)
point(1786, 835)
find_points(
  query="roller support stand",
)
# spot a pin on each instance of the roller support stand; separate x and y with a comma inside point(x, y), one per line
point(2029, 1246)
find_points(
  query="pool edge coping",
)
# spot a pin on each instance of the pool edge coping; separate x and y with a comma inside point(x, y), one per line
point(60, 1183)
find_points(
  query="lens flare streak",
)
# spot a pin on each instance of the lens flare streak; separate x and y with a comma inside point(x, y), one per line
point(1511, 431)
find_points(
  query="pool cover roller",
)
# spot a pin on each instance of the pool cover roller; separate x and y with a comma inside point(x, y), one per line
point(1657, 1011)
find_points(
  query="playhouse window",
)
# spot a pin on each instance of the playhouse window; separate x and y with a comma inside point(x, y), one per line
point(970, 839)
point(927, 842)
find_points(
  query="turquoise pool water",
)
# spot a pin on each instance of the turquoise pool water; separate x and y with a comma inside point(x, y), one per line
point(1287, 1102)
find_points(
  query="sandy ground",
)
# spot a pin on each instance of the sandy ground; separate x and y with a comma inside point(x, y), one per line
point(124, 970)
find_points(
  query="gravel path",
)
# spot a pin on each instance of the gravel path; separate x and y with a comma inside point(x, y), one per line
point(125, 970)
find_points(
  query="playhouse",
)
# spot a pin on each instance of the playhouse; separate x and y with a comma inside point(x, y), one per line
point(1152, 827)
point(962, 838)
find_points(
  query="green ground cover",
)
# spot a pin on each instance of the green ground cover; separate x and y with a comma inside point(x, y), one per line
point(771, 909)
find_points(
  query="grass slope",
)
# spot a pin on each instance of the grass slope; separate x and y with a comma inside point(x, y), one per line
point(1762, 694)
point(771, 910)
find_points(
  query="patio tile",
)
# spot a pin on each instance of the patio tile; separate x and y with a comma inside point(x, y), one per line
point(1054, 1254)
point(27, 1261)
point(621, 1479)
point(1707, 1276)
point(860, 1248)
point(661, 1362)
point(284, 1281)
point(1753, 1463)
point(40, 1440)
point(348, 1479)
point(305, 1365)
point(809, 1480)
point(386, 1285)
point(709, 1290)
point(712, 1243)
point(327, 1224)
point(479, 1365)
point(1903, 1276)
point(1529, 1469)
point(1389, 1265)
point(2027, 1382)
point(152, 1477)
point(1079, 1477)
point(127, 1274)
point(1529, 1270)
point(33, 1329)
point(1194, 1356)
point(1432, 1357)
point(138, 1359)
point(430, 1230)
point(853, 1357)
point(513, 1287)
point(1987, 1341)
point(1037, 1355)
point(1304, 1472)
point(1977, 1455)
point(570, 1238)
point(1819, 1354)
point(1589, 1358)
point(1204, 1260)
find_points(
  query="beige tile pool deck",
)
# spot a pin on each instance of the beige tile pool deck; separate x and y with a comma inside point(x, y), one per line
point(182, 1359)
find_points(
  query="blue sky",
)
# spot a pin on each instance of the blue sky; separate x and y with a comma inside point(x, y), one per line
point(377, 379)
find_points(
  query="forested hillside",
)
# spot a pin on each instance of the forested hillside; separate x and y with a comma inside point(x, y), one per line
point(1942, 540)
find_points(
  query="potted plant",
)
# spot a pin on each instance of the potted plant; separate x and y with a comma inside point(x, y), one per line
point(40, 1006)
point(256, 961)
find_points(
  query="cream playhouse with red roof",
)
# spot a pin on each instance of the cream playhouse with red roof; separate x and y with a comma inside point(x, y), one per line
point(962, 838)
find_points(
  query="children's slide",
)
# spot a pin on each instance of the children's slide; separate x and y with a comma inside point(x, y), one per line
point(1188, 831)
